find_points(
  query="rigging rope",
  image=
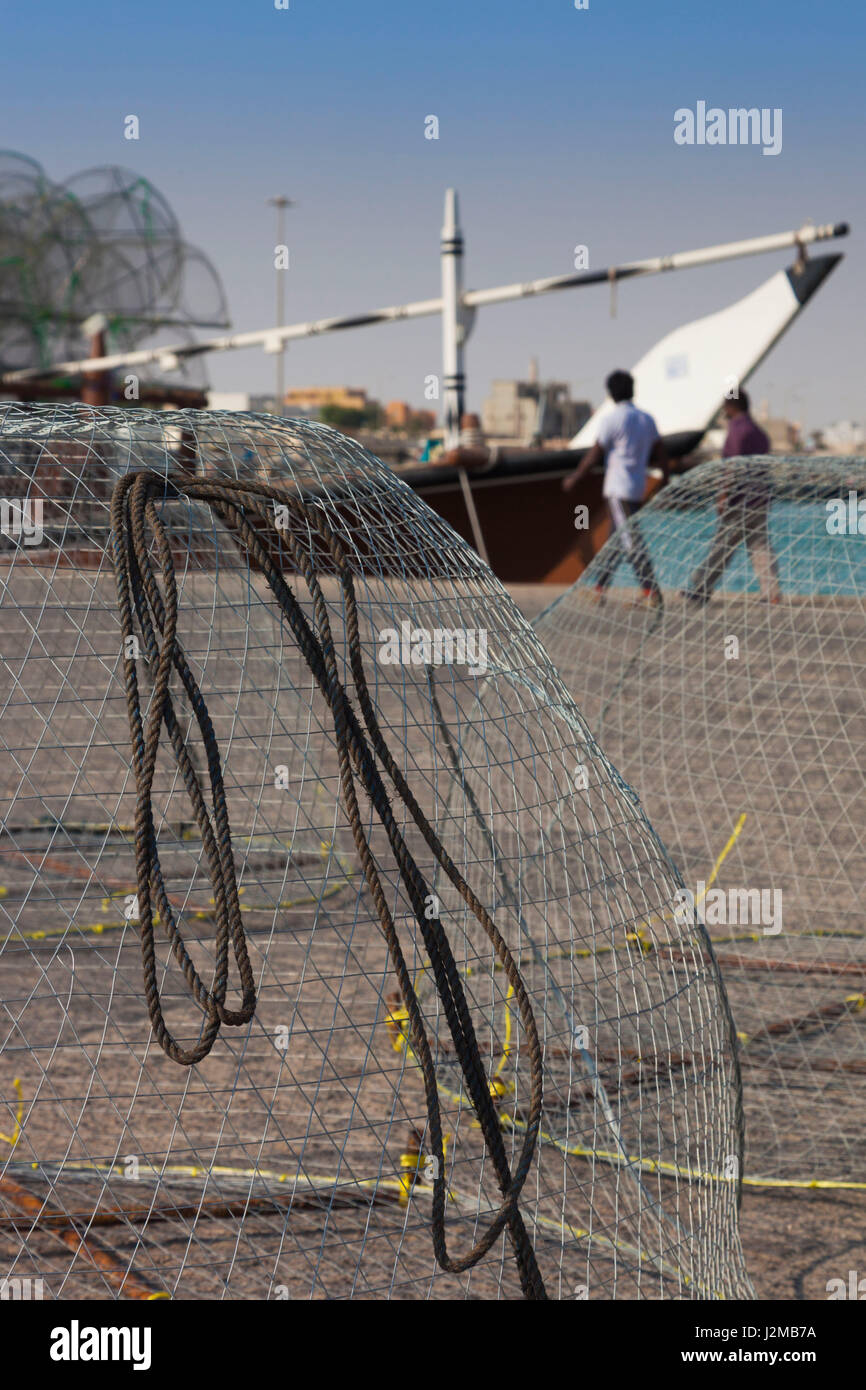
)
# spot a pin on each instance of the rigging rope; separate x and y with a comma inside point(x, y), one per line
point(243, 508)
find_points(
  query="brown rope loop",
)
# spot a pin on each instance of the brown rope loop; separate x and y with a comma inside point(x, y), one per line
point(243, 507)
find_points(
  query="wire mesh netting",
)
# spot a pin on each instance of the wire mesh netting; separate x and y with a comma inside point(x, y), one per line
point(104, 241)
point(312, 1151)
point(736, 711)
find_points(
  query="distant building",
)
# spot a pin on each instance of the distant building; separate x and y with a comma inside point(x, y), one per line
point(842, 437)
point(510, 411)
point(786, 436)
point(524, 412)
point(308, 400)
point(228, 400)
point(242, 400)
point(399, 415)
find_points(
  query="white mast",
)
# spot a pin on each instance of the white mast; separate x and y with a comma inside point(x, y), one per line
point(453, 379)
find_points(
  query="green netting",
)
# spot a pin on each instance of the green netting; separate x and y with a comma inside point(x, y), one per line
point(105, 242)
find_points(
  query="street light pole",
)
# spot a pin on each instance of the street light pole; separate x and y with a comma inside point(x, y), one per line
point(280, 203)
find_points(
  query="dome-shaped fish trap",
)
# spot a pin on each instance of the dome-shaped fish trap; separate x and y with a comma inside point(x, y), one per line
point(736, 711)
point(104, 240)
point(324, 966)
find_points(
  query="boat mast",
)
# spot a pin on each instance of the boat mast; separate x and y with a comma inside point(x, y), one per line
point(453, 337)
point(456, 307)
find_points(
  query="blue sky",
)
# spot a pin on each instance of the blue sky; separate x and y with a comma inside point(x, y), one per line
point(556, 127)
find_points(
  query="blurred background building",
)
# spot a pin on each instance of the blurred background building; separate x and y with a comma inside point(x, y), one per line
point(527, 412)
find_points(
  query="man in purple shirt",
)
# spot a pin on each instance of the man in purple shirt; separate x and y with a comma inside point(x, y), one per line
point(743, 506)
point(744, 437)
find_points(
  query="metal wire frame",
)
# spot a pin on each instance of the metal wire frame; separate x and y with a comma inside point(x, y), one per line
point(736, 712)
point(105, 239)
point(294, 1161)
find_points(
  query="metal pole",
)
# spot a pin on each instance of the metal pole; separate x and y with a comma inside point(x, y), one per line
point(280, 203)
point(453, 382)
point(658, 265)
point(96, 389)
point(472, 513)
point(271, 338)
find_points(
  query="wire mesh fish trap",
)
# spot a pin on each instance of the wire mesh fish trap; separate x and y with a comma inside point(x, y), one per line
point(323, 964)
point(736, 711)
point(104, 237)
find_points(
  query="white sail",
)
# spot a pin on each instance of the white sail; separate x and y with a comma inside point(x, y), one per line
point(683, 379)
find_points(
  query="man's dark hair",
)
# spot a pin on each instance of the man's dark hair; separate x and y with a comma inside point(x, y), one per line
point(620, 386)
point(740, 402)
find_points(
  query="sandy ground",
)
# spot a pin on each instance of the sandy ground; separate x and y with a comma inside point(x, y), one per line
point(324, 1121)
point(804, 1087)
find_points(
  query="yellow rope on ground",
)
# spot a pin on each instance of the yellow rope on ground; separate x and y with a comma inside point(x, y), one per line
point(396, 1021)
point(326, 1183)
point(12, 1139)
point(734, 836)
point(611, 1156)
point(197, 914)
point(498, 1087)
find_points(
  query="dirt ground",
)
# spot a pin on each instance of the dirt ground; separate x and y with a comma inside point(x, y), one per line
point(181, 1177)
point(795, 1243)
point(701, 744)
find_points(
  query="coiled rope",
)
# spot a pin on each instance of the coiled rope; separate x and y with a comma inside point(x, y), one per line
point(244, 509)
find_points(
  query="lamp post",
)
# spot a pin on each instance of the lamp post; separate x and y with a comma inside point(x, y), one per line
point(280, 203)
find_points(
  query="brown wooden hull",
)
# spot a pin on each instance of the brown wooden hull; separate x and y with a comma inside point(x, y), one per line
point(528, 524)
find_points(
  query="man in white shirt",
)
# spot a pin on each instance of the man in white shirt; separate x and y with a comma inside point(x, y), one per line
point(627, 443)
